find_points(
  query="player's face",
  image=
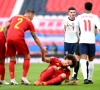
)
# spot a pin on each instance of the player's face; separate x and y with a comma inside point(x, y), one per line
point(72, 13)
point(68, 62)
point(31, 15)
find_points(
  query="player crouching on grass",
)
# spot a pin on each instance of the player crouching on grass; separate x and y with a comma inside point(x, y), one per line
point(57, 71)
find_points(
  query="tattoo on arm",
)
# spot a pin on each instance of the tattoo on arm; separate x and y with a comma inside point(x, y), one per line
point(33, 35)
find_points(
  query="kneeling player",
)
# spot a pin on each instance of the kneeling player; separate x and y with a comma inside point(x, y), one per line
point(57, 71)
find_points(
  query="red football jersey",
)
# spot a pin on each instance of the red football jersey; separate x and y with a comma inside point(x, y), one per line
point(61, 69)
point(18, 25)
point(2, 37)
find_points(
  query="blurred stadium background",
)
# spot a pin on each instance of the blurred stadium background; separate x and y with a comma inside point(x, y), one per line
point(47, 21)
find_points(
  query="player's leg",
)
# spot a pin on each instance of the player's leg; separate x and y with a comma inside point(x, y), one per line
point(55, 81)
point(22, 49)
point(26, 66)
point(2, 64)
point(76, 68)
point(90, 70)
point(11, 51)
point(83, 61)
point(67, 48)
point(46, 75)
point(91, 63)
point(12, 70)
point(2, 72)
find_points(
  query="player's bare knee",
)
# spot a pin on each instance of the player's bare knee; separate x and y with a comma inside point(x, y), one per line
point(12, 57)
point(91, 58)
point(27, 56)
point(63, 75)
point(2, 60)
point(84, 56)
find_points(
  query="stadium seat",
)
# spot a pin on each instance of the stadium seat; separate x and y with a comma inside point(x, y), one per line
point(6, 7)
point(34, 48)
point(58, 7)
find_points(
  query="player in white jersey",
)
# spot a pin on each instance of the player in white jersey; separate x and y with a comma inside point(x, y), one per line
point(87, 22)
point(70, 39)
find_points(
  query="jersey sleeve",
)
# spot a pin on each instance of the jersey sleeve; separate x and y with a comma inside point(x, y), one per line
point(52, 59)
point(76, 27)
point(31, 26)
point(97, 22)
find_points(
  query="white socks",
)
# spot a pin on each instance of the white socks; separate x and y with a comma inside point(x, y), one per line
point(91, 69)
point(83, 63)
point(73, 73)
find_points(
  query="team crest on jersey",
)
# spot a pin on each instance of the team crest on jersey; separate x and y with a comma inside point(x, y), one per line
point(66, 52)
point(58, 68)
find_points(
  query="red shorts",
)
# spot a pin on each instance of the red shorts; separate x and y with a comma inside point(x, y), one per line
point(2, 50)
point(18, 46)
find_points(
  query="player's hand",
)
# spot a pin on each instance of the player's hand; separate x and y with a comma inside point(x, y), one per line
point(78, 39)
point(66, 24)
point(75, 82)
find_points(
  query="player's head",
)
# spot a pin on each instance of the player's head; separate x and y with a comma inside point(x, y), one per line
point(72, 12)
point(71, 60)
point(29, 13)
point(88, 6)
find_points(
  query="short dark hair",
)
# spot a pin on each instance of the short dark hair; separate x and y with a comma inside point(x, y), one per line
point(72, 58)
point(71, 8)
point(29, 11)
point(88, 6)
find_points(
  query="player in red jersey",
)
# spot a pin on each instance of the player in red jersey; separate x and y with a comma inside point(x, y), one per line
point(2, 57)
point(16, 42)
point(57, 71)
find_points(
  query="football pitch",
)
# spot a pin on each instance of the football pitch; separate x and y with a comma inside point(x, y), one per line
point(33, 75)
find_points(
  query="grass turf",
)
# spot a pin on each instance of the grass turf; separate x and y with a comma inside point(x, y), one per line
point(33, 75)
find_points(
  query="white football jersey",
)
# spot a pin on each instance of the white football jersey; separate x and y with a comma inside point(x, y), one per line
point(70, 35)
point(87, 22)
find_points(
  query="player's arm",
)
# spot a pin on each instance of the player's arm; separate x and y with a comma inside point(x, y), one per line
point(67, 82)
point(97, 24)
point(96, 30)
point(5, 28)
point(36, 39)
point(65, 24)
point(76, 26)
point(45, 59)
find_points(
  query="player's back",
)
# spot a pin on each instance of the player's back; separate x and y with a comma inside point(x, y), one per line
point(87, 23)
point(18, 25)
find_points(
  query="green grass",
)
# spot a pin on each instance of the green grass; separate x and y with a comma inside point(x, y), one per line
point(33, 75)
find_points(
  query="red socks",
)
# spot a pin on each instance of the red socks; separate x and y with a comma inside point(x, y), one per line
point(54, 81)
point(12, 69)
point(2, 71)
point(26, 66)
point(47, 74)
